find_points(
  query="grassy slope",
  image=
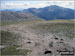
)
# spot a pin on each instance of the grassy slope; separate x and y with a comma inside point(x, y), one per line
point(27, 22)
point(9, 40)
point(63, 20)
point(61, 28)
point(65, 29)
point(18, 22)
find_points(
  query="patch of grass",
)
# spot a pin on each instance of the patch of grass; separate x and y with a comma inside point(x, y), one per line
point(4, 23)
point(11, 50)
point(62, 21)
point(61, 29)
point(8, 23)
point(8, 38)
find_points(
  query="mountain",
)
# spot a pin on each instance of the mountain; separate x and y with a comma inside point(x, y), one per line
point(52, 12)
point(32, 14)
point(17, 16)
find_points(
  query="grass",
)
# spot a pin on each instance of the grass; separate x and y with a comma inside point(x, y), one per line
point(62, 20)
point(30, 22)
point(10, 41)
point(4, 23)
point(61, 29)
point(8, 23)
point(8, 38)
point(11, 50)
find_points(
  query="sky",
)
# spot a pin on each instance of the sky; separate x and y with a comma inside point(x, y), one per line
point(22, 4)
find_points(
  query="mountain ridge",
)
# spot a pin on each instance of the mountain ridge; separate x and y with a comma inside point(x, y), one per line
point(52, 12)
point(17, 16)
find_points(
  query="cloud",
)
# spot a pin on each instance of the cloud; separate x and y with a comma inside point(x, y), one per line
point(15, 5)
point(35, 4)
point(66, 4)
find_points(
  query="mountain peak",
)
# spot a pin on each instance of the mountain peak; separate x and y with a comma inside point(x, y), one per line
point(53, 7)
point(53, 12)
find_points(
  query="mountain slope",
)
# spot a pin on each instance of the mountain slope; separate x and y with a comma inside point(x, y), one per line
point(17, 16)
point(36, 38)
point(52, 12)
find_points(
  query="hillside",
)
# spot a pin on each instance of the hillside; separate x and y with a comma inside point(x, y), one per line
point(32, 14)
point(34, 39)
point(8, 16)
point(52, 12)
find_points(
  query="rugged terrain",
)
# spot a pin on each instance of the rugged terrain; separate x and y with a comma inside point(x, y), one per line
point(41, 38)
point(9, 17)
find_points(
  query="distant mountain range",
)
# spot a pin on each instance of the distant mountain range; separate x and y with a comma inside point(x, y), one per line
point(32, 14)
point(52, 12)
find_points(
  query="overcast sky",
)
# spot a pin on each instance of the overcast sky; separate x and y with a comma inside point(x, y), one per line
point(14, 4)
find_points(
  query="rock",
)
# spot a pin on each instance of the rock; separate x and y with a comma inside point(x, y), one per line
point(48, 52)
